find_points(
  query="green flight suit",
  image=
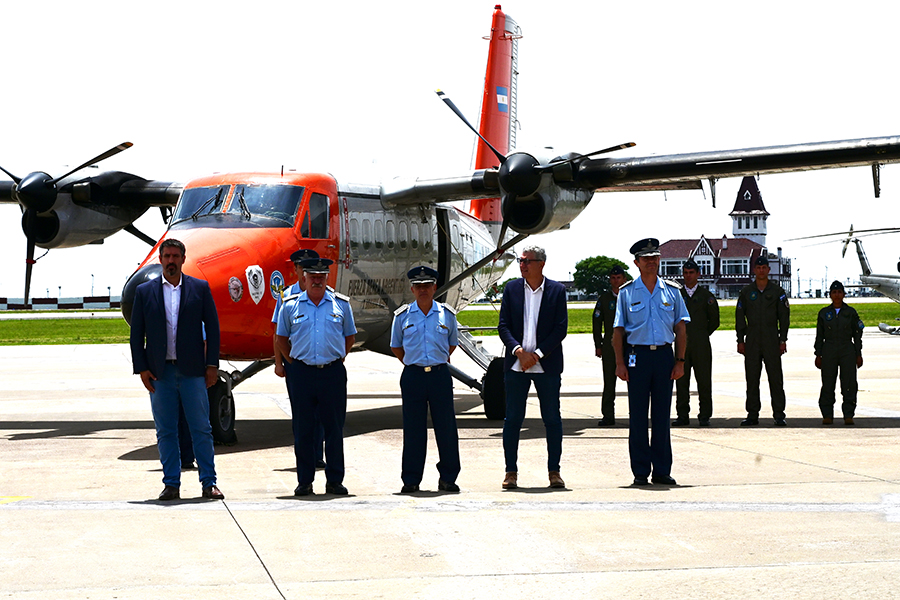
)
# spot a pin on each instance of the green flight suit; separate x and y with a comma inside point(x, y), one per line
point(704, 311)
point(762, 319)
point(839, 343)
point(604, 314)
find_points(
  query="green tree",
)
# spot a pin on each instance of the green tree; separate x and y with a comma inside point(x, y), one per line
point(592, 274)
point(496, 291)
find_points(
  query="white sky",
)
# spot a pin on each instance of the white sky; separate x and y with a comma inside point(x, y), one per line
point(348, 88)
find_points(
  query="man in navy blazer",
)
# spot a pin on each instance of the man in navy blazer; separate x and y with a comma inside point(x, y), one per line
point(175, 350)
point(533, 322)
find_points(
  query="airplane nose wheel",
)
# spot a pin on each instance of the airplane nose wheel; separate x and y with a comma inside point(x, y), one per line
point(221, 410)
point(493, 391)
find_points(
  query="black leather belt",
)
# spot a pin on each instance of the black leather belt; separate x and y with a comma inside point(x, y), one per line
point(171, 362)
point(428, 369)
point(325, 366)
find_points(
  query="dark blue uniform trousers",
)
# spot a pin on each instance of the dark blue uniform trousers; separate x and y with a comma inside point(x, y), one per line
point(422, 391)
point(318, 393)
point(319, 431)
point(650, 390)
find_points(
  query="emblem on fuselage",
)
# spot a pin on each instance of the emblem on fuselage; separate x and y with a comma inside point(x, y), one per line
point(235, 289)
point(276, 284)
point(255, 281)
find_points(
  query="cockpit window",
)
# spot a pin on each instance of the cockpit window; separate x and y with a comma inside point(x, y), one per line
point(200, 201)
point(273, 201)
point(315, 221)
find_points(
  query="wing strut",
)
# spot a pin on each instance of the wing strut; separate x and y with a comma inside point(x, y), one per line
point(473, 268)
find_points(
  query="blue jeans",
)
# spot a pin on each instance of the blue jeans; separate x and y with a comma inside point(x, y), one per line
point(174, 389)
point(547, 386)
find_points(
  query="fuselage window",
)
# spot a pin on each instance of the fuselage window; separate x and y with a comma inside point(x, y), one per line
point(315, 222)
point(273, 201)
point(391, 234)
point(200, 201)
point(366, 233)
point(404, 234)
point(379, 233)
point(354, 233)
point(414, 234)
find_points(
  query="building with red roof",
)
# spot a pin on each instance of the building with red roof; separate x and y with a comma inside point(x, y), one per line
point(726, 264)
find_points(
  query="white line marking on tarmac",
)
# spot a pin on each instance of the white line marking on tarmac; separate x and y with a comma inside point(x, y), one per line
point(889, 506)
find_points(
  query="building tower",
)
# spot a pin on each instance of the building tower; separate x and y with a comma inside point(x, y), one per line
point(749, 213)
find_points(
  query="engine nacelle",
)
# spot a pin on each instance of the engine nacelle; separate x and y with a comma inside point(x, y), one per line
point(69, 225)
point(550, 203)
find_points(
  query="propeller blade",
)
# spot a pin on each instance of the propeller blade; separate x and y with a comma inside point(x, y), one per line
point(595, 153)
point(11, 176)
point(111, 152)
point(459, 114)
point(29, 254)
point(878, 230)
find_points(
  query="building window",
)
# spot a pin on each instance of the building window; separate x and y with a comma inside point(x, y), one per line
point(735, 266)
point(670, 268)
point(705, 265)
point(756, 222)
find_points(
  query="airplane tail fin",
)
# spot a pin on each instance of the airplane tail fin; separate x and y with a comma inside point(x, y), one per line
point(498, 105)
point(863, 259)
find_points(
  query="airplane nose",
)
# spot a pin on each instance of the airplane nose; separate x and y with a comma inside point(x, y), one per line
point(144, 274)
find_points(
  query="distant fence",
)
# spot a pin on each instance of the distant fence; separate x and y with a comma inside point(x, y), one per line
point(78, 303)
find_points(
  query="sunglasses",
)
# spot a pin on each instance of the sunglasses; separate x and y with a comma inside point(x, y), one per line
point(525, 261)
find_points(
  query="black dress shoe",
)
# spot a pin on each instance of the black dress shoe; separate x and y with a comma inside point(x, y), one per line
point(750, 422)
point(303, 490)
point(446, 486)
point(335, 488)
point(641, 481)
point(213, 493)
point(663, 480)
point(606, 422)
point(681, 422)
point(704, 422)
point(320, 464)
point(187, 466)
point(170, 492)
point(409, 488)
point(780, 423)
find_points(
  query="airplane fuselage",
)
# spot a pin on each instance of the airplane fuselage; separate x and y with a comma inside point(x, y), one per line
point(242, 249)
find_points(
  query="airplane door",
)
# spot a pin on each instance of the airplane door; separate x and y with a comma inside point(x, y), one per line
point(318, 228)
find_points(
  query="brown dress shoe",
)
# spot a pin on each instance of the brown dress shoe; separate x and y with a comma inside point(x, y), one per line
point(509, 482)
point(170, 492)
point(849, 421)
point(556, 481)
point(213, 493)
point(827, 421)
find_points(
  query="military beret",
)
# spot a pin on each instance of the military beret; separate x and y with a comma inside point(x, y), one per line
point(617, 270)
point(303, 253)
point(690, 264)
point(762, 260)
point(836, 285)
point(645, 247)
point(422, 274)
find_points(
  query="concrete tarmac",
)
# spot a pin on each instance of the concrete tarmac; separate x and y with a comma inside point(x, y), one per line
point(806, 511)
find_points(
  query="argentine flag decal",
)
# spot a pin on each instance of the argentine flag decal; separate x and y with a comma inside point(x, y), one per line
point(502, 99)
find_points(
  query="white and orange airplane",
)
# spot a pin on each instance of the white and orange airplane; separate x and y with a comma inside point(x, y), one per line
point(239, 228)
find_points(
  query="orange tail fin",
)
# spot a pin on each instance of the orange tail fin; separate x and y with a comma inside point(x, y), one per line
point(498, 105)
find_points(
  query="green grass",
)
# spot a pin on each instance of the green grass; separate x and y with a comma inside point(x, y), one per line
point(803, 316)
point(115, 331)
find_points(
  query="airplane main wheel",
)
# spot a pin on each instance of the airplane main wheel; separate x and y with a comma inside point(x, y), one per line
point(493, 391)
point(221, 413)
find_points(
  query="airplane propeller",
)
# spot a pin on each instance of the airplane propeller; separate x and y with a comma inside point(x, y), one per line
point(520, 174)
point(36, 193)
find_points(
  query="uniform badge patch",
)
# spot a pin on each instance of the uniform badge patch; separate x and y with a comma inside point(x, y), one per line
point(612, 305)
point(255, 281)
point(276, 284)
point(235, 289)
point(596, 312)
point(829, 316)
point(711, 300)
point(754, 295)
point(861, 326)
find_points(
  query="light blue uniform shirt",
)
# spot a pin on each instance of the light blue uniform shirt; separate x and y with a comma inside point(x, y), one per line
point(425, 339)
point(317, 333)
point(293, 290)
point(649, 319)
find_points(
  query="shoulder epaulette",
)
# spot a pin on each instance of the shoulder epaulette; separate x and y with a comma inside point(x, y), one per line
point(448, 307)
point(340, 295)
point(400, 310)
point(626, 284)
point(673, 284)
point(291, 297)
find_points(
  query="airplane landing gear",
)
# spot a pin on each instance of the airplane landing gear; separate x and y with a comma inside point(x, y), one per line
point(221, 410)
point(493, 391)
